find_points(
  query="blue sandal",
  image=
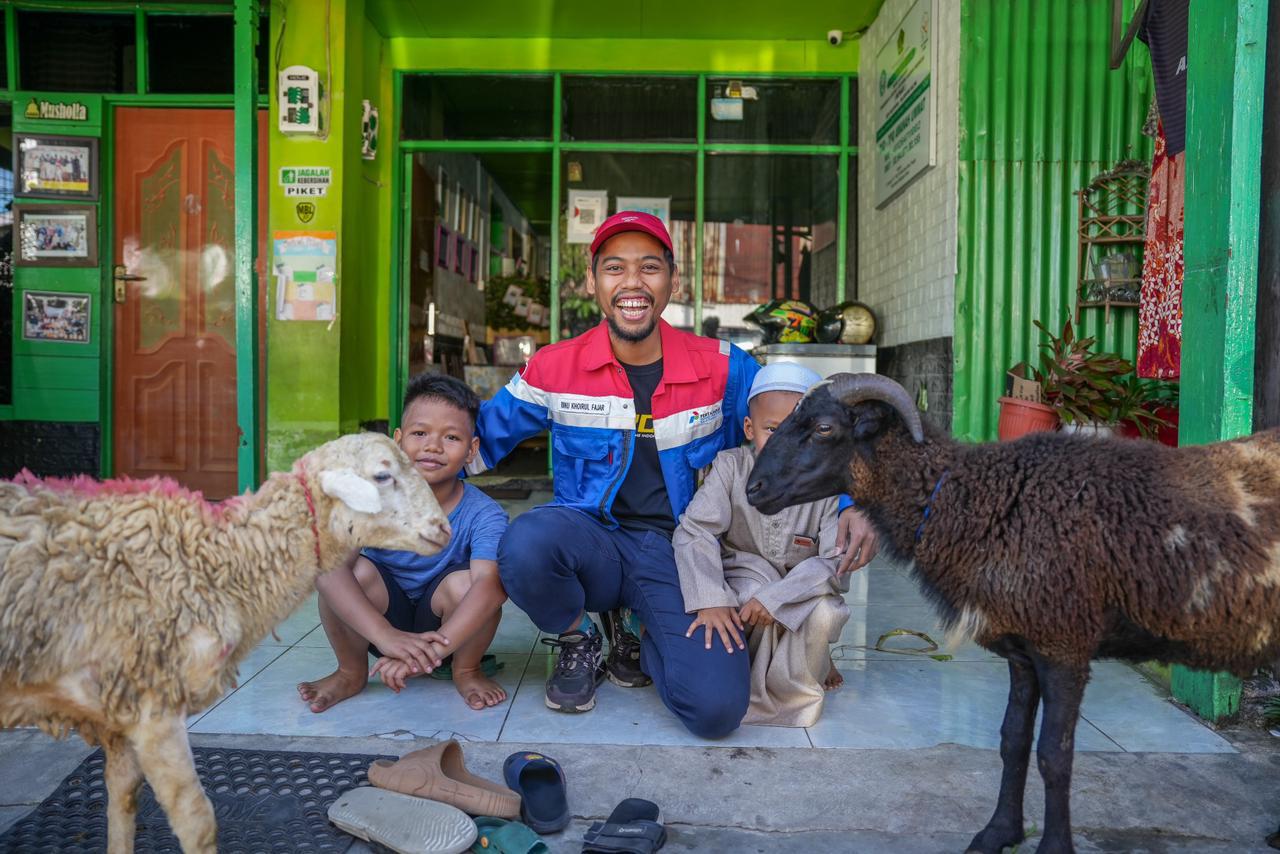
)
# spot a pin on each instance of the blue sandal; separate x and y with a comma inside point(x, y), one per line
point(544, 801)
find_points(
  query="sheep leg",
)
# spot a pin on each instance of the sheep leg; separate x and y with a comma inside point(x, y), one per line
point(123, 777)
point(160, 743)
point(1005, 827)
point(1063, 688)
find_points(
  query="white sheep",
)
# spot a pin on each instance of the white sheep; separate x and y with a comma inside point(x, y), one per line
point(126, 605)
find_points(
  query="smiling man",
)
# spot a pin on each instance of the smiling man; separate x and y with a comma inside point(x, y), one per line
point(635, 409)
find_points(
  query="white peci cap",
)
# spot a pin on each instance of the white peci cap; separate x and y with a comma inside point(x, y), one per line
point(784, 376)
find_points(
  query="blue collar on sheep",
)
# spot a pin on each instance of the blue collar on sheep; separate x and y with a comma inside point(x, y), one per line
point(928, 508)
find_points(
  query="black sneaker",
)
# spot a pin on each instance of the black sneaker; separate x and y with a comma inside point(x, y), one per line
point(572, 686)
point(623, 665)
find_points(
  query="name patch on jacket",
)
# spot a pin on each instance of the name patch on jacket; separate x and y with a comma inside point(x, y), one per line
point(585, 407)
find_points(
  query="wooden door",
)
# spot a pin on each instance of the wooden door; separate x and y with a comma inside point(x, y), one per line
point(174, 291)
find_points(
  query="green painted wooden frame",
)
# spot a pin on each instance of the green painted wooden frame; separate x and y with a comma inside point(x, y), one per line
point(403, 150)
point(1227, 64)
point(243, 98)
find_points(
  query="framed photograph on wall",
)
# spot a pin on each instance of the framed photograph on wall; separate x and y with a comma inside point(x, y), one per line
point(55, 167)
point(56, 235)
point(51, 316)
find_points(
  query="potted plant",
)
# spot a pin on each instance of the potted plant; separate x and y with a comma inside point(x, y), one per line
point(1148, 409)
point(1083, 386)
point(578, 311)
point(1022, 409)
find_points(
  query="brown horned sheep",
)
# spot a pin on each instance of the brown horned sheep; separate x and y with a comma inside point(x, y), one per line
point(1051, 551)
point(127, 605)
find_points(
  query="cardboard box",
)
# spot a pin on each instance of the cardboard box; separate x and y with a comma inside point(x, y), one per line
point(1018, 386)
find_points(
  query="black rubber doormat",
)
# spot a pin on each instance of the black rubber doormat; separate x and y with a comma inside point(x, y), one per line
point(265, 801)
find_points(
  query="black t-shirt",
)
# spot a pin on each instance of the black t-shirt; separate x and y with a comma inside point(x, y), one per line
point(642, 502)
point(1165, 32)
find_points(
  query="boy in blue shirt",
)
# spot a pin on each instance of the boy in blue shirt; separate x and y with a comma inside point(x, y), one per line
point(413, 610)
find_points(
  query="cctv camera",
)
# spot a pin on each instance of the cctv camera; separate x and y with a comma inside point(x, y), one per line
point(834, 37)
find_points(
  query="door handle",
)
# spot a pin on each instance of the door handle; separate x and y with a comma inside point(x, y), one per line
point(120, 274)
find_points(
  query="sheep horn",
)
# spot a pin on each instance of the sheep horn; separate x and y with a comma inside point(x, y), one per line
point(851, 389)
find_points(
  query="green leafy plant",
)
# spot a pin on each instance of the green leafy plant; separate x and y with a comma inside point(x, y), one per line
point(1140, 401)
point(1271, 710)
point(1082, 385)
point(500, 315)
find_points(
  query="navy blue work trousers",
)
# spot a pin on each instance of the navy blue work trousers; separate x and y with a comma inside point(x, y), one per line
point(556, 562)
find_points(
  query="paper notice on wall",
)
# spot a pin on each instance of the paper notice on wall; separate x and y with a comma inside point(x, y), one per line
point(305, 267)
point(587, 209)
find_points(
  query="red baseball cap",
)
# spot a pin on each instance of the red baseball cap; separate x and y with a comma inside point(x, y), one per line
point(631, 221)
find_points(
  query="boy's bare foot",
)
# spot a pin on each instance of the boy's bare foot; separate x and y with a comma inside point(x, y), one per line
point(332, 689)
point(834, 678)
point(478, 690)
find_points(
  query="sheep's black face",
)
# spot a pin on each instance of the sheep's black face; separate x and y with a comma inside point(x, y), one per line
point(807, 458)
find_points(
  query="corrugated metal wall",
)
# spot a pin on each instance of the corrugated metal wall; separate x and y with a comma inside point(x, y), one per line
point(1041, 113)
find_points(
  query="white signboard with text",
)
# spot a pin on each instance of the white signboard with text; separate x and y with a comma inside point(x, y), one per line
point(905, 106)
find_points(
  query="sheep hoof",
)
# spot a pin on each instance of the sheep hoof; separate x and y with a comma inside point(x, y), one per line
point(995, 838)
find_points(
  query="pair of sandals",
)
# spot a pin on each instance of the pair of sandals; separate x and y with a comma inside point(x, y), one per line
point(420, 803)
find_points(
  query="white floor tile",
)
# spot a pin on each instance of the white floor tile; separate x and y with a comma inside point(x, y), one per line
point(883, 583)
point(429, 708)
point(867, 623)
point(516, 632)
point(253, 664)
point(910, 704)
point(1137, 716)
point(299, 623)
point(621, 716)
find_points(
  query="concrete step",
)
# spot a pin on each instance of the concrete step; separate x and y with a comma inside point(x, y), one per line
point(785, 800)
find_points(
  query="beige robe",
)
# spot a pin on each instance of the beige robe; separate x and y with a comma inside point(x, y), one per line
point(727, 553)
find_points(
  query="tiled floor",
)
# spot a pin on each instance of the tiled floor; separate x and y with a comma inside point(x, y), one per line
point(889, 700)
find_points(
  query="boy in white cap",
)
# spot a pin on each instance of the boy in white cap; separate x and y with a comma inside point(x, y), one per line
point(773, 579)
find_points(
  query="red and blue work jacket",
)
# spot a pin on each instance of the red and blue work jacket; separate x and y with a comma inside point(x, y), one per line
point(579, 390)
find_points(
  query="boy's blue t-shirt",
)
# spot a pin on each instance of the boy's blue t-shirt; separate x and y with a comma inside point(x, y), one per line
point(478, 523)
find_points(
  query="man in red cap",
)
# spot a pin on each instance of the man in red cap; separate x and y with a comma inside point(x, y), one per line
point(635, 409)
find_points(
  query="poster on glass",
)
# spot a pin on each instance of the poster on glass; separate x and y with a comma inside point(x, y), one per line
point(51, 316)
point(55, 167)
point(56, 235)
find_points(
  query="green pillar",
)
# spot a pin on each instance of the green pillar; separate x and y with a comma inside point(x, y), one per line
point(1226, 64)
point(246, 238)
point(305, 358)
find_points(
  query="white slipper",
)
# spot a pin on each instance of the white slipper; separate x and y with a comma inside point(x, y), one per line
point(403, 823)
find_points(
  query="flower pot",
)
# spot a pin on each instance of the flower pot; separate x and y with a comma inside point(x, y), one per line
point(1020, 417)
point(1092, 430)
point(1165, 435)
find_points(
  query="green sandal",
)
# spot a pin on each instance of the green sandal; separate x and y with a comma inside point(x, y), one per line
point(499, 836)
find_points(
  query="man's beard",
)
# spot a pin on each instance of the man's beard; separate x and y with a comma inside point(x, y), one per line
point(629, 336)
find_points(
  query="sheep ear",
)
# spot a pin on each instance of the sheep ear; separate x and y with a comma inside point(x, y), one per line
point(352, 490)
point(866, 423)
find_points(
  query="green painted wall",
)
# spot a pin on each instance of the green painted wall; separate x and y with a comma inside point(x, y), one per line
point(304, 357)
point(1041, 114)
point(60, 381)
point(623, 55)
point(366, 253)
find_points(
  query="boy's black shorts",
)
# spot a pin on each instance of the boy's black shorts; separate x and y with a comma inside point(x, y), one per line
point(412, 615)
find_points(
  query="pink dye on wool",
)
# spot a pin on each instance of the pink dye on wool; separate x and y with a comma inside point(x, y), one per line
point(84, 486)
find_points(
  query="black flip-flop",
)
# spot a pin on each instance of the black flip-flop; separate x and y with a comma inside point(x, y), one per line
point(632, 828)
